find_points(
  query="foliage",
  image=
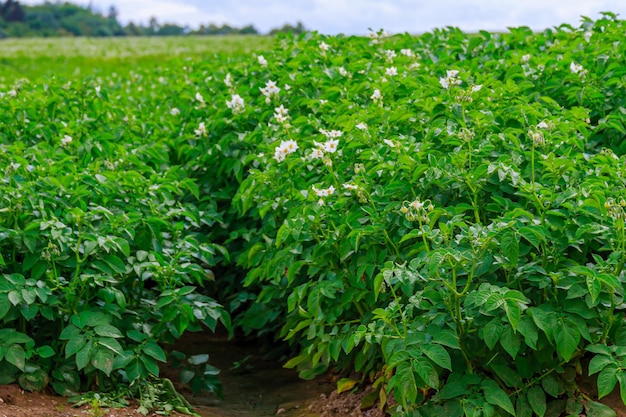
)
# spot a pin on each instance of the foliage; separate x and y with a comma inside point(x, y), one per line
point(448, 206)
point(442, 213)
point(107, 253)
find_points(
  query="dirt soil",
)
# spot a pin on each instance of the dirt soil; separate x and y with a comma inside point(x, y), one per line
point(254, 386)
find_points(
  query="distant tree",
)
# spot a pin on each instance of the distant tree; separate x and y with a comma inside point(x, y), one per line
point(169, 29)
point(113, 13)
point(12, 11)
point(248, 30)
point(297, 29)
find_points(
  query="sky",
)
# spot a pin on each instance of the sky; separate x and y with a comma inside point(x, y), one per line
point(356, 17)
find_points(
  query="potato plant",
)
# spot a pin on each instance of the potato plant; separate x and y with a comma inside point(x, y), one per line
point(442, 213)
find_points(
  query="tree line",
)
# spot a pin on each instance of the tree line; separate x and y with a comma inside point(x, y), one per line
point(68, 19)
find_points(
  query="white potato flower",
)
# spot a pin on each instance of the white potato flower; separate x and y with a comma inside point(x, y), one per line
point(575, 68)
point(391, 71)
point(236, 103)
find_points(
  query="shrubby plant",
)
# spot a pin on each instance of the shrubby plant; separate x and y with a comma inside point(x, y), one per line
point(442, 213)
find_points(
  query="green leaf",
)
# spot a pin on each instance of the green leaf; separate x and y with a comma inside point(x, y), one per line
point(150, 364)
point(345, 384)
point(155, 351)
point(594, 286)
point(447, 338)
point(537, 400)
point(83, 355)
point(492, 332)
point(74, 345)
point(5, 305)
point(509, 243)
point(45, 352)
point(567, 337)
point(438, 355)
point(427, 372)
point(607, 380)
point(103, 361)
point(522, 407)
point(595, 409)
point(513, 313)
point(16, 356)
point(111, 344)
point(510, 341)
point(407, 384)
point(496, 396)
point(527, 328)
point(599, 362)
point(106, 330)
point(552, 385)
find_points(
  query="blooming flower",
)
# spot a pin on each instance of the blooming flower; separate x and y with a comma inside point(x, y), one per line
point(537, 137)
point(390, 54)
point(526, 58)
point(329, 146)
point(476, 88)
point(331, 134)
point(391, 71)
point(270, 89)
point(236, 103)
point(174, 111)
point(543, 125)
point(349, 186)
point(389, 143)
point(262, 60)
point(407, 52)
point(575, 68)
point(361, 126)
point(12, 93)
point(201, 130)
point(324, 192)
point(324, 46)
point(200, 98)
point(376, 96)
point(66, 140)
point(343, 72)
point(450, 79)
point(284, 149)
point(317, 154)
point(228, 80)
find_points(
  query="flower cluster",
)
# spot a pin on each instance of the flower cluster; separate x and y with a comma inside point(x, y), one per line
point(270, 89)
point(201, 130)
point(450, 79)
point(228, 80)
point(537, 137)
point(285, 148)
point(417, 210)
point(236, 103)
point(616, 209)
point(322, 193)
point(281, 114)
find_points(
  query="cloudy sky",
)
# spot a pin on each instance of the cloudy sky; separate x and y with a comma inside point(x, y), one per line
point(357, 16)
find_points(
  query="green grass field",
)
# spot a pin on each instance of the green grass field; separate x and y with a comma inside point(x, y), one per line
point(67, 57)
